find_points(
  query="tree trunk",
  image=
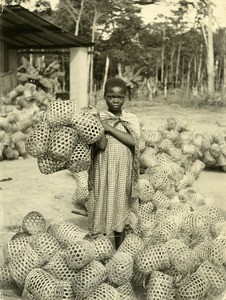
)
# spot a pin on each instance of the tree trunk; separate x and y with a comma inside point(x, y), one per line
point(63, 70)
point(79, 17)
point(165, 87)
point(172, 66)
point(163, 55)
point(210, 53)
point(120, 69)
point(106, 71)
point(178, 64)
point(91, 52)
point(199, 67)
point(224, 81)
point(188, 78)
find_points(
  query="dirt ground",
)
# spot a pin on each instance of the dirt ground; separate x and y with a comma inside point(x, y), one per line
point(23, 188)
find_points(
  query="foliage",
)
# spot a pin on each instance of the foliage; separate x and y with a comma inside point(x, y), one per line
point(145, 49)
point(46, 74)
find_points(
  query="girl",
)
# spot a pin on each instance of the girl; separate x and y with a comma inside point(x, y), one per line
point(113, 201)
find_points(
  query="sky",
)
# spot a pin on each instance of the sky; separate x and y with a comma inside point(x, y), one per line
point(150, 12)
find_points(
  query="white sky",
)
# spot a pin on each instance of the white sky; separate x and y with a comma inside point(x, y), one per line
point(150, 12)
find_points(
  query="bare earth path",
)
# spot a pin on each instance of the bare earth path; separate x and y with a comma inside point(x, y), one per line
point(26, 189)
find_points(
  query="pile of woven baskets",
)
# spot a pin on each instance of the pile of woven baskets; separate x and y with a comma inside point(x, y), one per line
point(63, 139)
point(20, 111)
point(59, 260)
point(179, 142)
point(182, 256)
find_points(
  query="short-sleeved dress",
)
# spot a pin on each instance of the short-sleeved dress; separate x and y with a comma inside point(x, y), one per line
point(110, 201)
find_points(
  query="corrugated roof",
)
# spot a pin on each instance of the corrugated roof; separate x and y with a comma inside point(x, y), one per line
point(23, 29)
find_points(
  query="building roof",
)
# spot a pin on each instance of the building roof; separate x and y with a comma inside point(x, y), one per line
point(22, 29)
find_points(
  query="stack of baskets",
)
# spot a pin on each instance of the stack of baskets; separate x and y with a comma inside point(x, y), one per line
point(20, 112)
point(62, 139)
point(181, 257)
point(59, 260)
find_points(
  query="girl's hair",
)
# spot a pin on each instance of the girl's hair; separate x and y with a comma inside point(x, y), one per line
point(115, 82)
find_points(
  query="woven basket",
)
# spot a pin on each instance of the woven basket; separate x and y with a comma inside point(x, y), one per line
point(175, 153)
point(34, 223)
point(88, 127)
point(79, 254)
point(201, 251)
point(165, 145)
point(151, 137)
point(206, 143)
point(120, 268)
point(68, 233)
point(14, 247)
point(6, 279)
point(80, 159)
point(217, 254)
point(212, 213)
point(45, 244)
point(105, 292)
point(126, 291)
point(223, 149)
point(218, 228)
point(103, 247)
point(145, 190)
point(146, 224)
point(160, 200)
point(19, 235)
point(152, 257)
point(148, 158)
point(80, 196)
point(208, 158)
point(68, 293)
point(186, 181)
point(88, 279)
point(160, 178)
point(189, 149)
point(180, 256)
point(42, 285)
point(172, 135)
point(215, 150)
point(48, 165)
point(197, 167)
point(37, 143)
point(62, 143)
point(27, 295)
point(60, 112)
point(221, 160)
point(159, 286)
point(23, 263)
point(195, 223)
point(215, 276)
point(193, 288)
point(163, 158)
point(59, 268)
point(165, 231)
point(142, 146)
point(146, 208)
point(218, 137)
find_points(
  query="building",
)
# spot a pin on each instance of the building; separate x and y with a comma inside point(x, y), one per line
point(21, 29)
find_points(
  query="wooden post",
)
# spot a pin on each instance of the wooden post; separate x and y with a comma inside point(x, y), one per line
point(79, 72)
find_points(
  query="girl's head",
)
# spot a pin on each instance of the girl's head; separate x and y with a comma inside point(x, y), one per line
point(114, 94)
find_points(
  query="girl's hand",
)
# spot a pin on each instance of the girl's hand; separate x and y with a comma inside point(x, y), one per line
point(107, 127)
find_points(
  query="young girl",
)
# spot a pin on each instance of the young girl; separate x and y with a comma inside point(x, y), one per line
point(113, 202)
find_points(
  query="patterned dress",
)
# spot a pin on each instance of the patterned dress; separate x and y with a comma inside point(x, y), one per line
point(111, 202)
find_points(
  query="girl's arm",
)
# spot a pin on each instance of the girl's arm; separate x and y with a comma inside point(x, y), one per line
point(102, 142)
point(125, 137)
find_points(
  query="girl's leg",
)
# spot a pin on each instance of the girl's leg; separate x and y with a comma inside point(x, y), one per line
point(119, 237)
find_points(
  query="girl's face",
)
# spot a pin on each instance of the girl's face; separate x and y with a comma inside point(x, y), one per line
point(115, 98)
